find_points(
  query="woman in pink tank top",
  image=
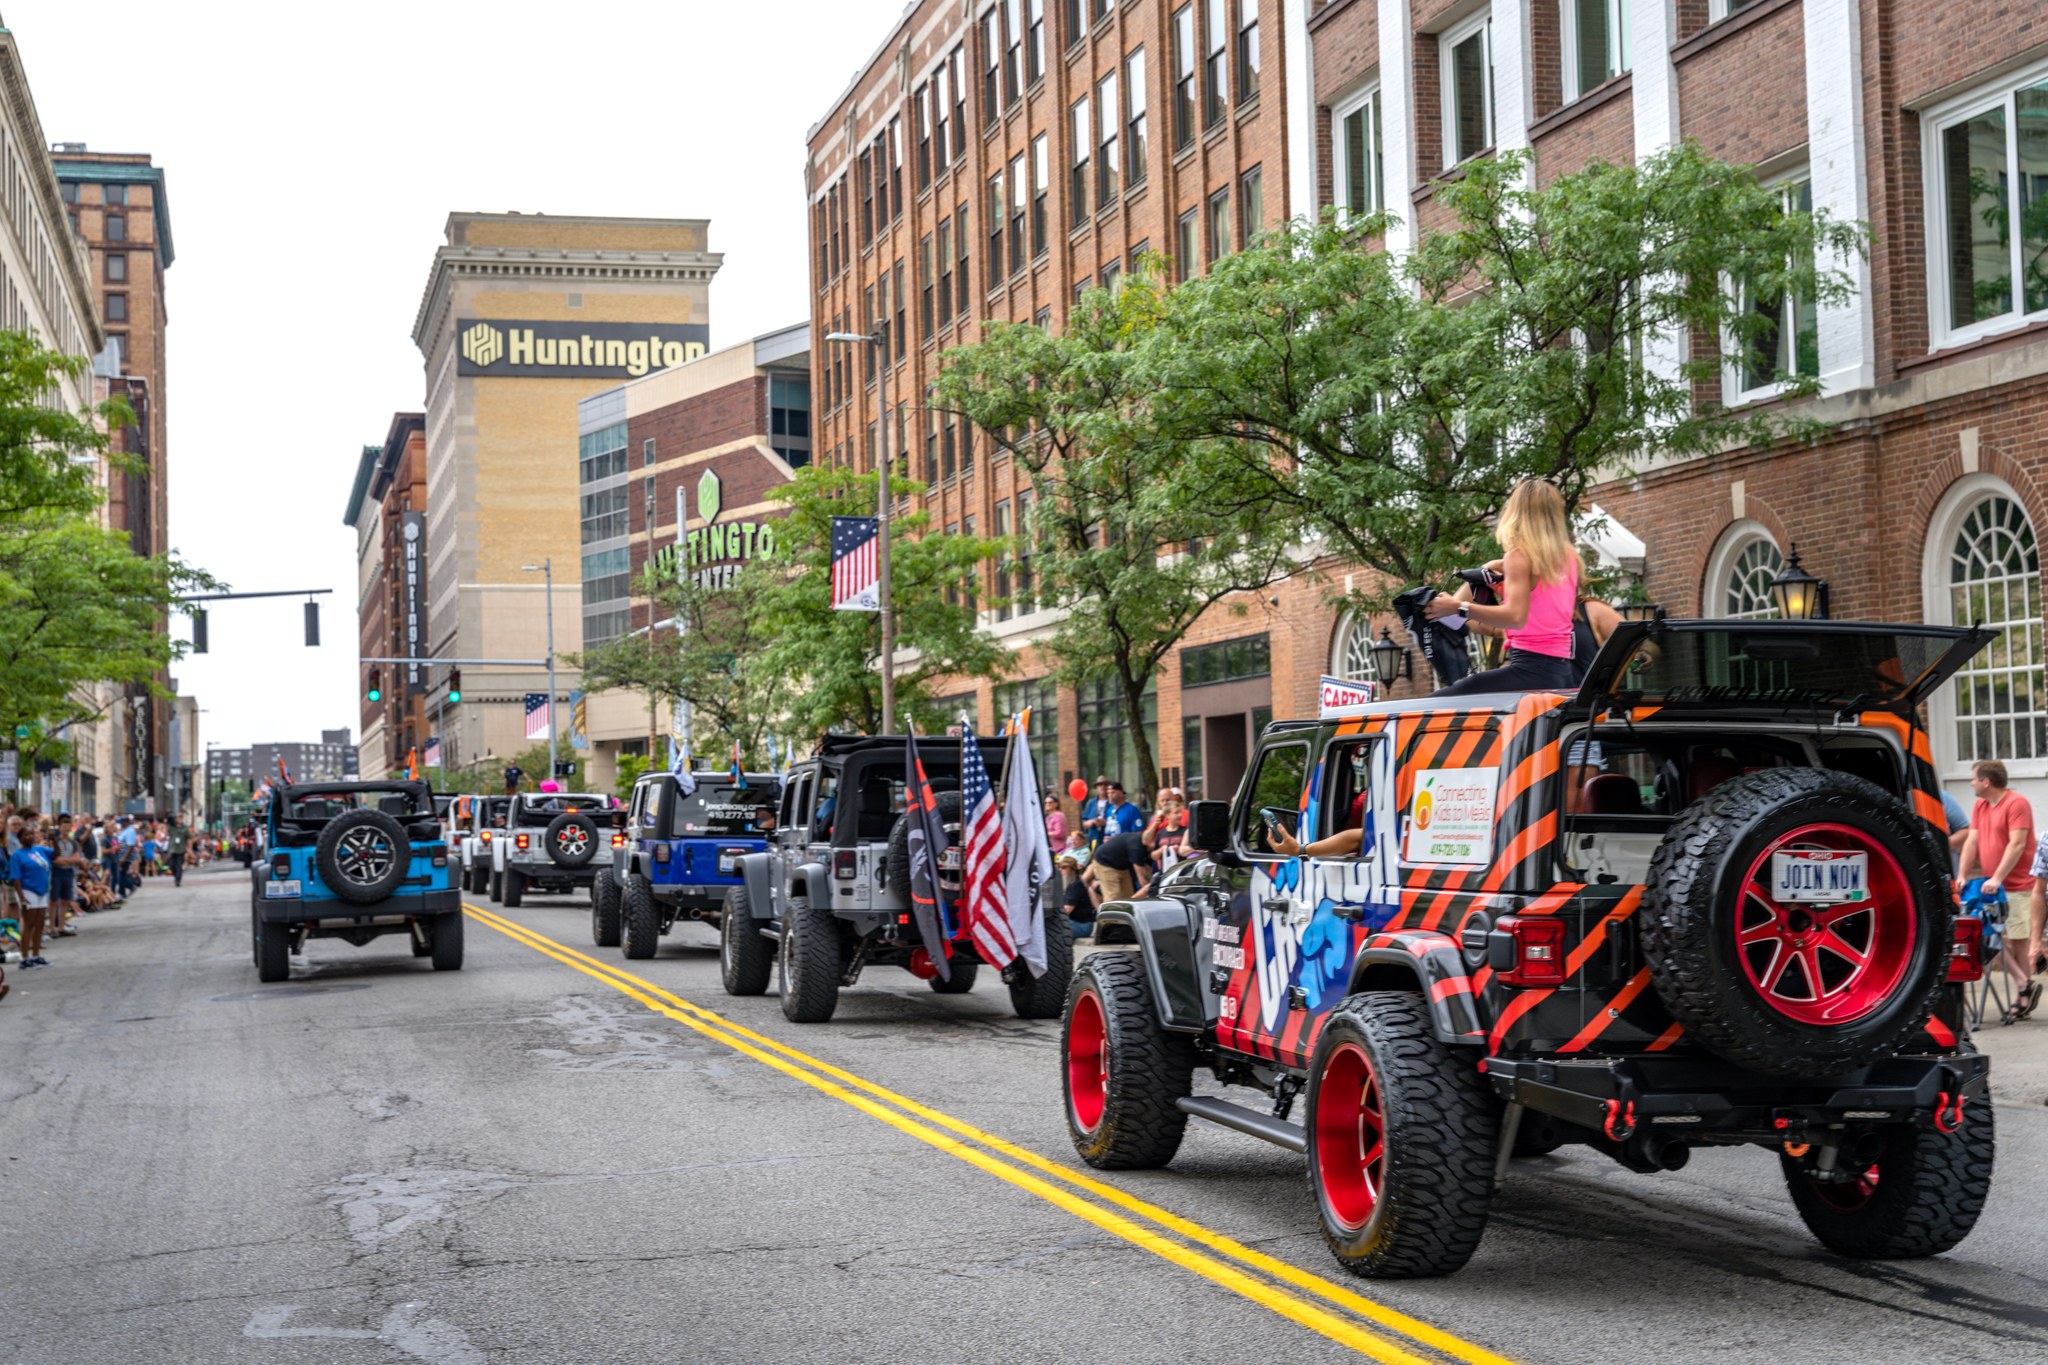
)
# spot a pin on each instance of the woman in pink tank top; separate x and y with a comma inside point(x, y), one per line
point(1535, 610)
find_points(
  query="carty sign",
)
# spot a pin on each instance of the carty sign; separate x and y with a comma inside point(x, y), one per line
point(557, 350)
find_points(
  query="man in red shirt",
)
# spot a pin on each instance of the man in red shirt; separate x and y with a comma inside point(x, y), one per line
point(2000, 842)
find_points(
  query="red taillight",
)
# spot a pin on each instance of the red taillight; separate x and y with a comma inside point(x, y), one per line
point(1966, 949)
point(486, 836)
point(661, 852)
point(522, 840)
point(618, 841)
point(845, 863)
point(280, 865)
point(1539, 951)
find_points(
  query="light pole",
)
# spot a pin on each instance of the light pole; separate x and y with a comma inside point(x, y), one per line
point(546, 568)
point(878, 339)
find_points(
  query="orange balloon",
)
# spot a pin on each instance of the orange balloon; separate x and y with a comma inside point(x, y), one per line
point(1078, 789)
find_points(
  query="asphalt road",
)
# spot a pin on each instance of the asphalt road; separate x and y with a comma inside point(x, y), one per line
point(534, 1160)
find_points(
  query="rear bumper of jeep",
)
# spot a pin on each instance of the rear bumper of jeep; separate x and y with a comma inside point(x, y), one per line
point(417, 905)
point(1693, 1099)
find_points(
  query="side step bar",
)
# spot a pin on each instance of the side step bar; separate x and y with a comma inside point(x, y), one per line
point(1265, 1127)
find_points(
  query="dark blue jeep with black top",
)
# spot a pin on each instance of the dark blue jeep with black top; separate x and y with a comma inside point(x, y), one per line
point(353, 860)
point(681, 856)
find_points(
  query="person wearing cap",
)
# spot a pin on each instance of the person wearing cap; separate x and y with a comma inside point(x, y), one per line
point(1122, 817)
point(1095, 813)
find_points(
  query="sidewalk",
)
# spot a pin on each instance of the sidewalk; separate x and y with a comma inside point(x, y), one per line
point(2019, 1059)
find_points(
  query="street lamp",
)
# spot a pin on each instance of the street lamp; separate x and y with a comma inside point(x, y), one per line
point(1799, 595)
point(1638, 611)
point(879, 340)
point(1390, 660)
point(546, 568)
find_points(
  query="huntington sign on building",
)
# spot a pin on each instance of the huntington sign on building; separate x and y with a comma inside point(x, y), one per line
point(525, 315)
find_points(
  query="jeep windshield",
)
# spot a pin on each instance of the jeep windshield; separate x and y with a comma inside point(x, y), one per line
point(1805, 665)
point(726, 810)
point(325, 805)
point(543, 811)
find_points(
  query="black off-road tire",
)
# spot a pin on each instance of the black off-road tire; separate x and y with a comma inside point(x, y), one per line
point(1045, 997)
point(1690, 906)
point(515, 888)
point(1144, 1068)
point(357, 826)
point(497, 887)
point(273, 952)
point(746, 959)
point(809, 959)
point(899, 843)
point(639, 919)
point(1440, 1128)
point(480, 880)
point(568, 820)
point(256, 936)
point(960, 983)
point(447, 950)
point(604, 909)
point(1930, 1190)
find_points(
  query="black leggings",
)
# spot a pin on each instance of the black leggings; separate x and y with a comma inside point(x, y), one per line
point(1523, 672)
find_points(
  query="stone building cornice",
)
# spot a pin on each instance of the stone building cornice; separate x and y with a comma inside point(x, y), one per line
point(552, 263)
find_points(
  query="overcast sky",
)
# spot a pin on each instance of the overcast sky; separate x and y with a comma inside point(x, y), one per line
point(313, 154)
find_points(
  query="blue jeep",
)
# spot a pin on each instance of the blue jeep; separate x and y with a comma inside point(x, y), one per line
point(353, 860)
point(680, 858)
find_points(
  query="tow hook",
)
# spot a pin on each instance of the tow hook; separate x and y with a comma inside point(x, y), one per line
point(1948, 1112)
point(1621, 1120)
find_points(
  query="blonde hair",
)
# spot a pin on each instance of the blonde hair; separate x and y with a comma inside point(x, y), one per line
point(1534, 523)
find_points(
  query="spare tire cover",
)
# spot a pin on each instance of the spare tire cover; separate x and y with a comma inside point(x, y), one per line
point(1797, 921)
point(571, 839)
point(899, 849)
point(363, 856)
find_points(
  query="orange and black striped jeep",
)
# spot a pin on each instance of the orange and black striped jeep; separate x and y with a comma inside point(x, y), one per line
point(1704, 900)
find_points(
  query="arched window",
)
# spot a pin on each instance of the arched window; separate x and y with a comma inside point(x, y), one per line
point(1739, 574)
point(1351, 651)
point(1992, 578)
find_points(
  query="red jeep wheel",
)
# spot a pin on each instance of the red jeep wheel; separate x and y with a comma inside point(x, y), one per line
point(1087, 1062)
point(1845, 1196)
point(1351, 1136)
point(1827, 964)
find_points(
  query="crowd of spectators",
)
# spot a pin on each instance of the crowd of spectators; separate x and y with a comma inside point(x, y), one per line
point(1116, 850)
point(59, 867)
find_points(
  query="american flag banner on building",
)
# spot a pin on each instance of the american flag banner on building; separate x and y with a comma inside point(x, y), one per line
point(432, 757)
point(856, 573)
point(984, 908)
point(536, 715)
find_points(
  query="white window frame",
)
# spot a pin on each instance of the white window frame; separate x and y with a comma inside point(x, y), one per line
point(1480, 23)
point(1717, 10)
point(1733, 370)
point(1575, 86)
point(1735, 538)
point(1368, 102)
point(1934, 121)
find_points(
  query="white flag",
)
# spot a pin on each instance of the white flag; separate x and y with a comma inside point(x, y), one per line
point(1030, 859)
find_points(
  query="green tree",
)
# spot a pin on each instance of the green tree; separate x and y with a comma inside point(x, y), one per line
point(830, 660)
point(1389, 405)
point(1138, 527)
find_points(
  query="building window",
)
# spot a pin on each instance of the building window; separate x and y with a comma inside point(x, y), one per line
point(1994, 580)
point(1990, 200)
point(902, 318)
point(1084, 141)
point(1351, 654)
point(1020, 209)
point(1112, 276)
point(1360, 163)
point(942, 116)
point(1041, 696)
point(1219, 226)
point(1013, 53)
point(601, 454)
point(114, 194)
point(962, 244)
point(994, 222)
point(117, 308)
point(606, 514)
point(1137, 142)
point(1034, 47)
point(1187, 249)
point(1107, 746)
point(1788, 343)
point(865, 176)
point(945, 246)
point(991, 64)
point(1027, 540)
point(116, 228)
point(1135, 262)
point(647, 452)
point(870, 320)
point(1215, 74)
point(1595, 35)
point(922, 102)
point(67, 190)
point(1747, 568)
point(1248, 49)
point(959, 101)
point(1081, 287)
point(1467, 77)
point(1077, 21)
point(948, 453)
point(1108, 161)
point(1002, 532)
point(789, 418)
point(1228, 661)
point(607, 576)
point(966, 454)
point(117, 265)
point(1183, 75)
point(119, 341)
point(1041, 189)
point(1251, 194)
point(1718, 10)
point(895, 169)
point(924, 285)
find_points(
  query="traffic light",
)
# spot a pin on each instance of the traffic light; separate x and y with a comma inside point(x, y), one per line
point(198, 630)
point(376, 683)
point(312, 624)
point(455, 684)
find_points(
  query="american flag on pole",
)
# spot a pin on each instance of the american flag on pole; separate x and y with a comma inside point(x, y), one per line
point(536, 715)
point(432, 757)
point(984, 907)
point(856, 573)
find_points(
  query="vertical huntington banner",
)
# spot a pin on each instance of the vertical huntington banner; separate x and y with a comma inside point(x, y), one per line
point(414, 531)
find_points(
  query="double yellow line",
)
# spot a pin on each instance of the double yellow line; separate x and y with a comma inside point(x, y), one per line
point(1372, 1329)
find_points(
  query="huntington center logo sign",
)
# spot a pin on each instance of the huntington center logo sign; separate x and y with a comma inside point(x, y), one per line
point(575, 350)
point(715, 552)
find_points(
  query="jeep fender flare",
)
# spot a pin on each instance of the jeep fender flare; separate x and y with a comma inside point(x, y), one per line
point(1419, 962)
point(1164, 933)
point(761, 875)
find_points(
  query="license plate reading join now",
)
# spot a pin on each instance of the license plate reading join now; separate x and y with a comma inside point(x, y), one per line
point(1820, 878)
point(281, 891)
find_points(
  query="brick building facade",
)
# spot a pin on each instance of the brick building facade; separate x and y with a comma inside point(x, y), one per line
point(387, 510)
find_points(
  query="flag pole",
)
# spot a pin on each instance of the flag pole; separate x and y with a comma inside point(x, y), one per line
point(880, 341)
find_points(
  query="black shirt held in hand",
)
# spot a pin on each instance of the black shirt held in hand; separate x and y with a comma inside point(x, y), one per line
point(1123, 852)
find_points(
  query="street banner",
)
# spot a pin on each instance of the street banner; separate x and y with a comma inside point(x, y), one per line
point(927, 844)
point(432, 757)
point(579, 720)
point(986, 865)
point(1030, 860)
point(856, 569)
point(536, 715)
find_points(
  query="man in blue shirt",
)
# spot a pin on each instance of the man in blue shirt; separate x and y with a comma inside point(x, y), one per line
point(28, 873)
point(1122, 816)
point(1095, 813)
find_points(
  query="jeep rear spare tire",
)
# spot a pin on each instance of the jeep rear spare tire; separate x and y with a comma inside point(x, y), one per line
point(363, 856)
point(899, 849)
point(571, 840)
point(1797, 921)
point(1044, 996)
